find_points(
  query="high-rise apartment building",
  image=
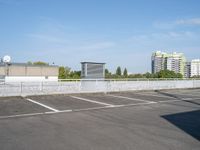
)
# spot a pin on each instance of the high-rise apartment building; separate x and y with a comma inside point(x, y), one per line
point(187, 70)
point(158, 61)
point(195, 67)
point(174, 62)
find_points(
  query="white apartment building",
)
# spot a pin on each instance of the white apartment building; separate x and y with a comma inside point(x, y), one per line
point(176, 62)
point(171, 61)
point(195, 67)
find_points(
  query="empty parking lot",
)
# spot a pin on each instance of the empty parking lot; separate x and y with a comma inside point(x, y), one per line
point(168, 119)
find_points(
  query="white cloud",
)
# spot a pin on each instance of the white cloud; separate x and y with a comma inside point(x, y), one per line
point(164, 25)
point(47, 38)
point(193, 21)
point(97, 45)
point(52, 34)
point(176, 23)
point(164, 40)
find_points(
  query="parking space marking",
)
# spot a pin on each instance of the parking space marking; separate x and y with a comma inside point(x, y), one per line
point(152, 94)
point(75, 110)
point(179, 100)
point(92, 101)
point(26, 115)
point(128, 98)
point(43, 105)
point(138, 104)
point(94, 108)
point(184, 94)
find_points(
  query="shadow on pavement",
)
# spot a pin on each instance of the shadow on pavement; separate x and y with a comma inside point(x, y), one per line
point(192, 102)
point(189, 122)
point(167, 94)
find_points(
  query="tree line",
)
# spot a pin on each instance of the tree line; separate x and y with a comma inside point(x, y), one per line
point(162, 74)
point(67, 73)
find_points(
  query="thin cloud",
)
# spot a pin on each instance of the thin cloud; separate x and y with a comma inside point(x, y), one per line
point(177, 23)
point(99, 45)
point(164, 25)
point(193, 21)
point(47, 38)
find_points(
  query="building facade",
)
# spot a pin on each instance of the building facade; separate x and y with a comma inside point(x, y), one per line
point(92, 70)
point(187, 70)
point(174, 62)
point(195, 67)
point(158, 61)
point(21, 72)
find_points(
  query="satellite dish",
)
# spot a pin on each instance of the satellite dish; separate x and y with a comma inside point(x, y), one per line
point(6, 59)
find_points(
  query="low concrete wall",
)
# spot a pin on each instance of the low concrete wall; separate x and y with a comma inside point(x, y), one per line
point(13, 79)
point(152, 85)
point(35, 88)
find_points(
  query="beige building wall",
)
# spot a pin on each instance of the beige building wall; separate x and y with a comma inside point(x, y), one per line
point(30, 71)
point(16, 71)
point(2, 71)
point(50, 71)
point(34, 71)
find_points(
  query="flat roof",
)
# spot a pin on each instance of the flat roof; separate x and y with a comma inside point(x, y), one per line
point(28, 65)
point(86, 62)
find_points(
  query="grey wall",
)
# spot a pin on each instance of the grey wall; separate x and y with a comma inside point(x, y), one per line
point(33, 88)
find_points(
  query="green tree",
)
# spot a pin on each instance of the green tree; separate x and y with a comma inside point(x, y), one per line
point(169, 74)
point(119, 71)
point(108, 74)
point(148, 75)
point(196, 76)
point(29, 63)
point(179, 75)
point(125, 73)
point(62, 73)
point(67, 72)
point(75, 74)
point(106, 71)
point(136, 75)
point(40, 63)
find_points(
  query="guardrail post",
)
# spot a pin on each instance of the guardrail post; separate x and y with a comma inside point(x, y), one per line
point(193, 83)
point(21, 89)
point(42, 86)
point(96, 86)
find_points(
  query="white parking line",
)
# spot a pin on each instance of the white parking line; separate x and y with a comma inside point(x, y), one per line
point(128, 98)
point(184, 94)
point(152, 94)
point(95, 108)
point(92, 101)
point(138, 104)
point(75, 110)
point(179, 100)
point(27, 115)
point(43, 105)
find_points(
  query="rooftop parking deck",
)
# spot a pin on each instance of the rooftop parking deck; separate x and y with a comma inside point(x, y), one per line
point(166, 119)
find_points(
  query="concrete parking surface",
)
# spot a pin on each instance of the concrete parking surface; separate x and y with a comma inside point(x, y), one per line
point(156, 120)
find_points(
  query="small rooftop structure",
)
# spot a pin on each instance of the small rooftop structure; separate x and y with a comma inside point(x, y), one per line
point(92, 70)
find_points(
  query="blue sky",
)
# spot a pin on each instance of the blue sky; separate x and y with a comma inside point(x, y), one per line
point(119, 32)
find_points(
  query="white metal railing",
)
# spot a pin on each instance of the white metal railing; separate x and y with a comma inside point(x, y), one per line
point(92, 85)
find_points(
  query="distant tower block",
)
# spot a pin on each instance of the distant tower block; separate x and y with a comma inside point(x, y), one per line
point(92, 70)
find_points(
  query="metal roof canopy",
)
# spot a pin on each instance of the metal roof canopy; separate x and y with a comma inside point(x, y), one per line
point(91, 63)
